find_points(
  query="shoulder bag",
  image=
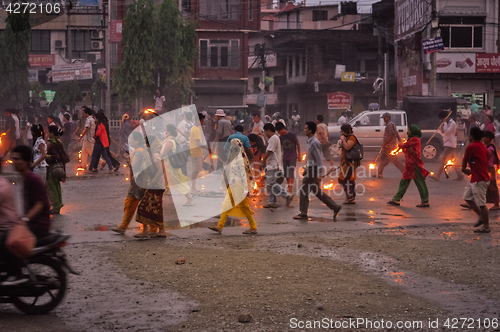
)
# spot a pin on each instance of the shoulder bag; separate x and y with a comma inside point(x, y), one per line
point(356, 153)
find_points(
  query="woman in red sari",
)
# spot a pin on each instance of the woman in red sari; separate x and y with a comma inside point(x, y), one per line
point(414, 169)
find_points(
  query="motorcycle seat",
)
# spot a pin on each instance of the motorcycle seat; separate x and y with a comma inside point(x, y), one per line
point(49, 239)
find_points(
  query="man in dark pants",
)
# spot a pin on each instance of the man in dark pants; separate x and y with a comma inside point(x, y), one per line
point(310, 182)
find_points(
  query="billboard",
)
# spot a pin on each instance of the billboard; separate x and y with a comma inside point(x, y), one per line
point(488, 63)
point(80, 71)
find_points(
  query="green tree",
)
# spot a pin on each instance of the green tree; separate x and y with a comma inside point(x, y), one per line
point(134, 77)
point(156, 39)
point(36, 91)
point(68, 93)
point(95, 90)
point(14, 60)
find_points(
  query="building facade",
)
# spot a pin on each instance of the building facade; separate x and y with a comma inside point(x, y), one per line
point(467, 67)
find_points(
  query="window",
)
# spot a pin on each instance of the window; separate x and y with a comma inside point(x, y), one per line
point(370, 120)
point(290, 68)
point(320, 15)
point(220, 9)
point(250, 10)
point(297, 65)
point(303, 60)
point(462, 32)
point(40, 42)
point(81, 44)
point(220, 53)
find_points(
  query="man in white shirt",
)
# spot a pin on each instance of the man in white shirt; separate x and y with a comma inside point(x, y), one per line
point(258, 125)
point(272, 161)
point(342, 120)
point(322, 136)
point(18, 132)
point(295, 121)
point(159, 100)
point(87, 136)
point(449, 130)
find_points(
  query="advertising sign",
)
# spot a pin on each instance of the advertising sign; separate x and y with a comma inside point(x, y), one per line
point(348, 76)
point(81, 71)
point(42, 60)
point(116, 31)
point(410, 74)
point(456, 62)
point(339, 100)
point(433, 45)
point(488, 63)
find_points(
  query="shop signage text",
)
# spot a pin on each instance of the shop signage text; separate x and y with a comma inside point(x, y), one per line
point(42, 60)
point(338, 100)
point(433, 45)
point(81, 71)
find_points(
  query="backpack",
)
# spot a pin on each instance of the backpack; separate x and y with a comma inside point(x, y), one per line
point(177, 159)
point(356, 153)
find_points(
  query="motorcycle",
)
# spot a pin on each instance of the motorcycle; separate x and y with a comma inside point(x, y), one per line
point(45, 270)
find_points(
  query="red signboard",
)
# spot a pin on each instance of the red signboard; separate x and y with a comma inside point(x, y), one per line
point(116, 31)
point(42, 60)
point(338, 100)
point(487, 62)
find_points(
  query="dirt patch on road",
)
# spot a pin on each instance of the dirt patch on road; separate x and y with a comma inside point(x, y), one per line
point(234, 276)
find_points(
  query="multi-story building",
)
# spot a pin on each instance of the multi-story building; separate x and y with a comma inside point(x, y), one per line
point(467, 67)
point(306, 53)
point(221, 71)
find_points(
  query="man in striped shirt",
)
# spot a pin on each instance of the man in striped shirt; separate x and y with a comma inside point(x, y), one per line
point(389, 143)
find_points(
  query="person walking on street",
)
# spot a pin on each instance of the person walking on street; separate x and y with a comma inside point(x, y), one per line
point(492, 195)
point(19, 141)
point(39, 164)
point(9, 137)
point(272, 162)
point(311, 182)
point(448, 127)
point(87, 136)
point(389, 143)
point(291, 154)
point(295, 122)
point(244, 140)
point(55, 155)
point(237, 179)
point(100, 146)
point(67, 126)
point(322, 136)
point(461, 137)
point(348, 168)
point(414, 169)
point(196, 145)
point(476, 156)
point(222, 133)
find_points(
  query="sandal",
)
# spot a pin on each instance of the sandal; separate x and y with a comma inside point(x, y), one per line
point(482, 230)
point(423, 205)
point(163, 236)
point(118, 230)
point(392, 202)
point(250, 231)
point(142, 236)
point(465, 205)
point(215, 229)
point(300, 216)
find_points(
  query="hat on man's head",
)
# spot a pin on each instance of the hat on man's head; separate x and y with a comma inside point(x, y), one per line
point(386, 114)
point(220, 112)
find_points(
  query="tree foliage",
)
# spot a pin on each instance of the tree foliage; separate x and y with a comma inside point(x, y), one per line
point(68, 93)
point(36, 91)
point(14, 60)
point(95, 90)
point(156, 39)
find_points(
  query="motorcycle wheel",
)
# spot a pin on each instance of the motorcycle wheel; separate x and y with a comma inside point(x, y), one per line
point(48, 290)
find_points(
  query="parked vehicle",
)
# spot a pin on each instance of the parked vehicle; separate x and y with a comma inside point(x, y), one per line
point(368, 126)
point(46, 273)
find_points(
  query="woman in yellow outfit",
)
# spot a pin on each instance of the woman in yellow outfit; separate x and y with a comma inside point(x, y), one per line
point(238, 179)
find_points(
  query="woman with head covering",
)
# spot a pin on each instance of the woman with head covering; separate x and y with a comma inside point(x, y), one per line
point(55, 154)
point(347, 175)
point(39, 164)
point(238, 180)
point(413, 170)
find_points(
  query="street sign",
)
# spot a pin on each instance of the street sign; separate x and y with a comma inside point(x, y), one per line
point(80, 71)
point(348, 76)
point(339, 100)
point(316, 86)
point(433, 45)
point(262, 86)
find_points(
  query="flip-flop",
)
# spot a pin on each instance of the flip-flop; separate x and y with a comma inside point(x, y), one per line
point(250, 231)
point(188, 204)
point(215, 229)
point(482, 230)
point(465, 205)
point(163, 236)
point(393, 203)
point(421, 205)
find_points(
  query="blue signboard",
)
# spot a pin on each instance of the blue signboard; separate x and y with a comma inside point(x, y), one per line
point(433, 45)
point(87, 3)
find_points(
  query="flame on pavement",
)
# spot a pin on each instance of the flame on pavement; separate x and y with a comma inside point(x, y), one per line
point(372, 166)
point(304, 157)
point(328, 186)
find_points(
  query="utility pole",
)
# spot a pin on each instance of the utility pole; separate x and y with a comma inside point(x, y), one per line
point(433, 74)
point(386, 80)
point(261, 53)
point(108, 62)
point(70, 41)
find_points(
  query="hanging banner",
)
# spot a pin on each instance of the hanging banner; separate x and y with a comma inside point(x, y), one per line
point(81, 71)
point(116, 31)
